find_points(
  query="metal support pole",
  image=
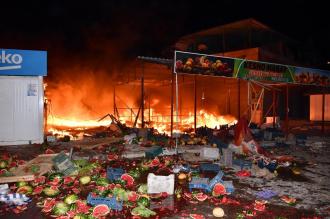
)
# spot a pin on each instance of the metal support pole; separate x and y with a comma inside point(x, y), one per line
point(149, 110)
point(177, 111)
point(114, 100)
point(172, 103)
point(323, 107)
point(142, 96)
point(239, 98)
point(195, 104)
point(287, 109)
point(273, 108)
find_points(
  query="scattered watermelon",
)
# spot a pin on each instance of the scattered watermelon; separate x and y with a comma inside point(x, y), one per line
point(197, 216)
point(102, 181)
point(129, 179)
point(21, 183)
point(51, 191)
point(82, 207)
point(100, 210)
point(200, 196)
point(60, 208)
point(80, 216)
point(143, 201)
point(68, 180)
point(3, 164)
point(84, 180)
point(154, 163)
point(218, 190)
point(143, 189)
point(38, 190)
point(112, 157)
point(132, 196)
point(48, 205)
point(55, 179)
point(38, 180)
point(25, 190)
point(53, 176)
point(70, 199)
point(135, 173)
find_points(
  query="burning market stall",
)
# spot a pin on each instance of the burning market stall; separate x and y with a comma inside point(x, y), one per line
point(267, 76)
point(22, 96)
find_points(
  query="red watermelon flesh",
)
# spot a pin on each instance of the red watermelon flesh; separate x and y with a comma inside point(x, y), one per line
point(71, 214)
point(48, 204)
point(197, 216)
point(68, 180)
point(154, 163)
point(38, 190)
point(188, 195)
point(218, 190)
point(112, 157)
point(132, 196)
point(100, 210)
point(129, 179)
point(82, 207)
point(201, 196)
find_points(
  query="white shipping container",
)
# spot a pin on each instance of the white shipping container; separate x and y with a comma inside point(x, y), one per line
point(21, 110)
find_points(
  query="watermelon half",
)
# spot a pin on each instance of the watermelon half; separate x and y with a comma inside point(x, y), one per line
point(197, 216)
point(200, 196)
point(100, 211)
point(129, 179)
point(218, 190)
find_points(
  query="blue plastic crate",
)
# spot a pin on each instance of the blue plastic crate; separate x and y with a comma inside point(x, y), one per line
point(205, 183)
point(229, 186)
point(209, 167)
point(215, 180)
point(112, 203)
point(199, 183)
point(114, 173)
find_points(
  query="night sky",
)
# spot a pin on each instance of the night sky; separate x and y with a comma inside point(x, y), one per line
point(93, 31)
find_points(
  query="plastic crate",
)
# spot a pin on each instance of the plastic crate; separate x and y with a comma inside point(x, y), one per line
point(112, 203)
point(209, 167)
point(199, 183)
point(114, 173)
point(229, 186)
point(205, 183)
point(215, 180)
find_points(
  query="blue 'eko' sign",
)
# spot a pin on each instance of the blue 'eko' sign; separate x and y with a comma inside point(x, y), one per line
point(23, 62)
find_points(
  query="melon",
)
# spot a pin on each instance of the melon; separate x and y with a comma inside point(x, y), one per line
point(25, 190)
point(197, 216)
point(51, 191)
point(143, 201)
point(84, 180)
point(70, 199)
point(100, 210)
point(129, 179)
point(21, 183)
point(218, 212)
point(102, 181)
point(200, 196)
point(60, 208)
point(218, 190)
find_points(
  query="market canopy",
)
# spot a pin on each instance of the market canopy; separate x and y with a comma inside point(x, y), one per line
point(202, 64)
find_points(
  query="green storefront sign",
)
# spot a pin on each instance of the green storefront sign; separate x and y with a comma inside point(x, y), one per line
point(194, 63)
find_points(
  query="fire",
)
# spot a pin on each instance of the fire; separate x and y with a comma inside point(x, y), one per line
point(79, 104)
point(160, 122)
point(76, 123)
